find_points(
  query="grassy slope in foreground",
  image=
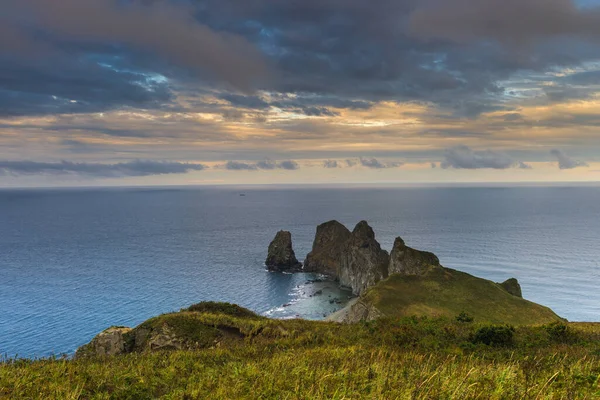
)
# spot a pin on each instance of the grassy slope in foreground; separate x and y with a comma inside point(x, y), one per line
point(418, 358)
point(447, 292)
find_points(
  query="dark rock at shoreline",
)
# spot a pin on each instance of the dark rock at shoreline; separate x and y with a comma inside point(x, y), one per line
point(326, 254)
point(408, 261)
point(513, 287)
point(363, 262)
point(281, 256)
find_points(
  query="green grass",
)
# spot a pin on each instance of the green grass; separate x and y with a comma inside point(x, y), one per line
point(391, 358)
point(446, 292)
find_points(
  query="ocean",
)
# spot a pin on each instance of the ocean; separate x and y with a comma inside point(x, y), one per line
point(76, 261)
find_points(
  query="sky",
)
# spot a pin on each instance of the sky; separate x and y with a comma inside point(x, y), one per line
point(176, 92)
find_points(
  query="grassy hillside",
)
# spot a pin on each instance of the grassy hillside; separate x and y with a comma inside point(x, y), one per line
point(233, 354)
point(446, 292)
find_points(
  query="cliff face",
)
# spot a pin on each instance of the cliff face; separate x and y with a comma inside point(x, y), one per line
point(281, 256)
point(328, 246)
point(363, 262)
point(408, 261)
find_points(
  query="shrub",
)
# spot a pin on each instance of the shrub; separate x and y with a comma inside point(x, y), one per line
point(559, 332)
point(464, 317)
point(494, 335)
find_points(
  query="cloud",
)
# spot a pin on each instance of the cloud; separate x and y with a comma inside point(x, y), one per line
point(522, 165)
point(330, 164)
point(376, 164)
point(163, 28)
point(254, 102)
point(512, 117)
point(566, 162)
point(266, 164)
point(315, 64)
point(463, 157)
point(240, 166)
point(373, 163)
point(63, 85)
point(318, 112)
point(97, 170)
point(289, 165)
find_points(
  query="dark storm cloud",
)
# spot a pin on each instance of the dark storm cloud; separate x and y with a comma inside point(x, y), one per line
point(325, 54)
point(366, 50)
point(512, 22)
point(118, 170)
point(463, 157)
point(57, 85)
point(261, 165)
point(164, 28)
point(566, 162)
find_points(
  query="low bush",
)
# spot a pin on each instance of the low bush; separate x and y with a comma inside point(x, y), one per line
point(494, 335)
point(464, 317)
point(560, 332)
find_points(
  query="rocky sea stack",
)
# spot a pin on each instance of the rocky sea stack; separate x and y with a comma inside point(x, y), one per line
point(328, 246)
point(281, 256)
point(356, 260)
point(363, 262)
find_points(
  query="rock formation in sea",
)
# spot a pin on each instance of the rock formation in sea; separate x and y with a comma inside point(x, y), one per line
point(408, 261)
point(326, 255)
point(281, 256)
point(363, 261)
point(355, 259)
point(513, 287)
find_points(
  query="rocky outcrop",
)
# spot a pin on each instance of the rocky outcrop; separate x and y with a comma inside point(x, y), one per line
point(408, 261)
point(328, 246)
point(163, 339)
point(363, 262)
point(513, 287)
point(281, 256)
point(355, 259)
point(110, 342)
point(355, 311)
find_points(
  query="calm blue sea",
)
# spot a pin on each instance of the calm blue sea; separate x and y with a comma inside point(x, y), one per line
point(73, 262)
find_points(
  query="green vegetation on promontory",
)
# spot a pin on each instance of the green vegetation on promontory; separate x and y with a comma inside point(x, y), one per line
point(230, 353)
point(446, 292)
